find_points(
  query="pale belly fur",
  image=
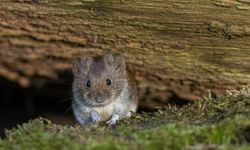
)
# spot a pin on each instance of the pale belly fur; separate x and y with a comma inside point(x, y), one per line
point(105, 111)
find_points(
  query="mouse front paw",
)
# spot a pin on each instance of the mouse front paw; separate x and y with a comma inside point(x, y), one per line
point(95, 116)
point(113, 120)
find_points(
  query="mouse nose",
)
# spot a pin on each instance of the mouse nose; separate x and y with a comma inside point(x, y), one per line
point(99, 99)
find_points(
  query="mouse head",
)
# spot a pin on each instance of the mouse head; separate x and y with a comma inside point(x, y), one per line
point(99, 80)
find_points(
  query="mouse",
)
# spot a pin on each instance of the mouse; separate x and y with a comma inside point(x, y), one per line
point(104, 90)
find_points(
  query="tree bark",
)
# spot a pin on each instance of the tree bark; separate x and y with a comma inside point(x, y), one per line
point(178, 49)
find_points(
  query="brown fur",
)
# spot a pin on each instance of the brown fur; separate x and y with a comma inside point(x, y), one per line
point(97, 70)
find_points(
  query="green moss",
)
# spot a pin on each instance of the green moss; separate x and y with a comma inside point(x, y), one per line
point(221, 123)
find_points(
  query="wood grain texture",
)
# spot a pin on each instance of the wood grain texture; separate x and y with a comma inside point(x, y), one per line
point(177, 49)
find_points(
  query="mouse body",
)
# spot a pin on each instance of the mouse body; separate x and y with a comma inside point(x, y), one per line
point(103, 89)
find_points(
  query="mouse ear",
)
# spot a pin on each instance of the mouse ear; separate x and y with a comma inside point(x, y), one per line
point(80, 65)
point(117, 61)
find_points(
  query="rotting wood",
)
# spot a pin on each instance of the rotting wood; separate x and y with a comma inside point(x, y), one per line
point(178, 49)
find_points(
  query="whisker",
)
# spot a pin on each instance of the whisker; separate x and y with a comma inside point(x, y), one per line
point(64, 100)
point(59, 95)
point(70, 107)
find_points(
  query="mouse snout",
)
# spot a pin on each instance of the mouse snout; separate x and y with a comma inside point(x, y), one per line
point(99, 99)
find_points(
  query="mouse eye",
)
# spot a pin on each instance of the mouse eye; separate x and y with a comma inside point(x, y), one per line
point(87, 83)
point(108, 82)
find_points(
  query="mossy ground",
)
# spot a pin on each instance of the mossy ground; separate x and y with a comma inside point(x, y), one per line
point(211, 123)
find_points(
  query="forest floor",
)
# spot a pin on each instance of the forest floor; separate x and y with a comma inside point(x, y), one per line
point(211, 123)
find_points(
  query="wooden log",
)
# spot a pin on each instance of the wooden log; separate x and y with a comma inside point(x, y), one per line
point(178, 49)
